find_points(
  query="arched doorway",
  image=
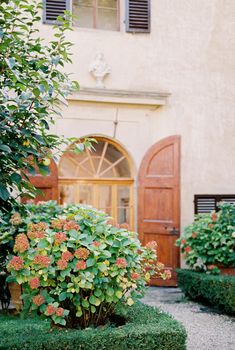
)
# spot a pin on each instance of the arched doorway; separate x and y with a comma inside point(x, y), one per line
point(102, 178)
point(159, 202)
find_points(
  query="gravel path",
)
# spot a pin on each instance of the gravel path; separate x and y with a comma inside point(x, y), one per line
point(206, 329)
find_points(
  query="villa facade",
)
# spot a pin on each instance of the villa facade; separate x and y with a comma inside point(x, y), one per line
point(158, 93)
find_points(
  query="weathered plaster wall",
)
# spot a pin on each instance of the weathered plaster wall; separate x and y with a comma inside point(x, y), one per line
point(189, 53)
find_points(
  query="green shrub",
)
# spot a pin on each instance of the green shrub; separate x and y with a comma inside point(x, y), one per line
point(76, 269)
point(146, 329)
point(210, 240)
point(218, 291)
point(16, 221)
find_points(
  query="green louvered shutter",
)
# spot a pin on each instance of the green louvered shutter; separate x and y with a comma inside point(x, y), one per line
point(138, 16)
point(54, 8)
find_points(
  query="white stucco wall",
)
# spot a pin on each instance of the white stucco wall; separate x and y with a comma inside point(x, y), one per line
point(189, 53)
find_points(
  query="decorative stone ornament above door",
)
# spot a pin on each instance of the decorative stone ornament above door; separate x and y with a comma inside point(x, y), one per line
point(99, 69)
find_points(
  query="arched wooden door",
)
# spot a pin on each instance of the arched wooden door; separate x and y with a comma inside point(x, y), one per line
point(48, 185)
point(159, 202)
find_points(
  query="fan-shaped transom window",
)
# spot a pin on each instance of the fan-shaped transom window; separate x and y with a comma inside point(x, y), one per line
point(107, 161)
point(101, 178)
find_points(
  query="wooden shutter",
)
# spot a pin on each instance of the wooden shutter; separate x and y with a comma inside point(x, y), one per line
point(138, 16)
point(207, 203)
point(54, 8)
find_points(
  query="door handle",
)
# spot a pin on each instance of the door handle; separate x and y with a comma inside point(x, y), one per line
point(172, 230)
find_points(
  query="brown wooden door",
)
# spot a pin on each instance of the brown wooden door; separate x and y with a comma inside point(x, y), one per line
point(159, 202)
point(47, 184)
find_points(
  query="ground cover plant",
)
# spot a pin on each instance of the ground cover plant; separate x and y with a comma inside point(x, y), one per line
point(75, 269)
point(209, 242)
point(146, 328)
point(218, 291)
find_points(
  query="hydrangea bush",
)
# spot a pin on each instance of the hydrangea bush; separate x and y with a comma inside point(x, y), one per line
point(16, 221)
point(75, 269)
point(209, 241)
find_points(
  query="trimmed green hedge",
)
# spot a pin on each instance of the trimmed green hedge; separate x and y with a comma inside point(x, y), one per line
point(218, 291)
point(146, 328)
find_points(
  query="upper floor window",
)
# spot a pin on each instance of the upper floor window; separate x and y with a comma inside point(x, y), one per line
point(101, 14)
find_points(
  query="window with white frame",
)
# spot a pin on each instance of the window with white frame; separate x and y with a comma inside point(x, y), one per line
point(101, 14)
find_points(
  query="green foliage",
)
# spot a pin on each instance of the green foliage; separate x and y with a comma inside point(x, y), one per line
point(75, 269)
point(16, 221)
point(33, 86)
point(210, 240)
point(218, 291)
point(146, 328)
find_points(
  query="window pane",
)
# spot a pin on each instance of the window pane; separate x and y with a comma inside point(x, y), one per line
point(67, 194)
point(105, 196)
point(86, 194)
point(74, 165)
point(107, 3)
point(124, 215)
point(83, 10)
point(107, 19)
point(123, 204)
point(123, 196)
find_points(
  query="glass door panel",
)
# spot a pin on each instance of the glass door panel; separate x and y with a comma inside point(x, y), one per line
point(124, 216)
point(86, 194)
point(67, 194)
point(113, 199)
point(104, 196)
point(123, 204)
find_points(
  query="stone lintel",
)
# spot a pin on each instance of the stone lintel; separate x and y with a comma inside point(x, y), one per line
point(126, 97)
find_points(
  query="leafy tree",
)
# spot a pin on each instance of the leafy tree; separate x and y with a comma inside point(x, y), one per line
point(33, 85)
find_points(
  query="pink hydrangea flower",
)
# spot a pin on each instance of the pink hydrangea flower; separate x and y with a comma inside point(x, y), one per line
point(214, 217)
point(62, 264)
point(151, 245)
point(42, 260)
point(21, 243)
point(59, 312)
point(71, 225)
point(50, 310)
point(16, 263)
point(82, 253)
point(135, 275)
point(67, 255)
point(81, 265)
point(34, 283)
point(58, 223)
point(38, 300)
point(120, 262)
point(187, 249)
point(60, 237)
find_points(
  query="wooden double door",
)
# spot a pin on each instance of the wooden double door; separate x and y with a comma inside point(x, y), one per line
point(159, 202)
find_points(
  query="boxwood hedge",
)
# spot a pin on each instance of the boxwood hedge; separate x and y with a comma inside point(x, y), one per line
point(146, 328)
point(215, 290)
